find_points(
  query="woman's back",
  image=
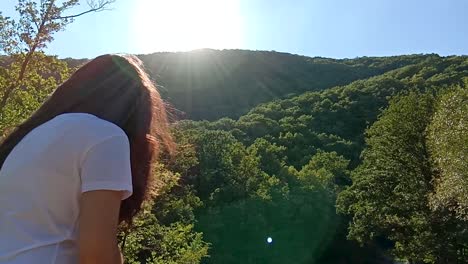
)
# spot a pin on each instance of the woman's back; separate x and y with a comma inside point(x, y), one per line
point(42, 180)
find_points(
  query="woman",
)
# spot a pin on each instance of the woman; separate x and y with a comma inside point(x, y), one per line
point(80, 165)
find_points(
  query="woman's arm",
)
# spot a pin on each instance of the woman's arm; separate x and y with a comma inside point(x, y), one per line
point(98, 222)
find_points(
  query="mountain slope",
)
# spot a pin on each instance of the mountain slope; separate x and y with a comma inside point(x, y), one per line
point(210, 84)
point(335, 119)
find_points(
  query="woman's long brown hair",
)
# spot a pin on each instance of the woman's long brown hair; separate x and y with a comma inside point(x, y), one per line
point(117, 89)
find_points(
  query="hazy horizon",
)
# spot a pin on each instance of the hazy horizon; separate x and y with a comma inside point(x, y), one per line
point(278, 51)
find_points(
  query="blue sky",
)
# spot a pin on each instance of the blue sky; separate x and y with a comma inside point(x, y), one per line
point(327, 28)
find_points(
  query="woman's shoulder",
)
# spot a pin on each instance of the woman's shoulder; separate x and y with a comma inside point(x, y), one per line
point(89, 127)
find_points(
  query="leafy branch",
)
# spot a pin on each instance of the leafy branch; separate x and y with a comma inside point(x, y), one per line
point(38, 21)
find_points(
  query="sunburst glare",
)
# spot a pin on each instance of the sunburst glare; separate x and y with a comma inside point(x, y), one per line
point(181, 25)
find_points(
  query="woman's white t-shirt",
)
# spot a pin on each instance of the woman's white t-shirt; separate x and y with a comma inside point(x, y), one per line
point(43, 177)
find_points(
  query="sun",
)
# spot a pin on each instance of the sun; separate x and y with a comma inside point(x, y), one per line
point(182, 25)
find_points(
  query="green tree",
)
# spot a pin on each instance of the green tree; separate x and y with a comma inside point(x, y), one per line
point(151, 242)
point(225, 170)
point(329, 169)
point(46, 74)
point(30, 34)
point(388, 198)
point(272, 157)
point(448, 144)
point(163, 230)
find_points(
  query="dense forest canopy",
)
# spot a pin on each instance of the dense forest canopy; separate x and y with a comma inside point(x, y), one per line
point(338, 161)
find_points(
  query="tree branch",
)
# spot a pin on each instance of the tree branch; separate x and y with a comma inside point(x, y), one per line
point(101, 6)
point(37, 25)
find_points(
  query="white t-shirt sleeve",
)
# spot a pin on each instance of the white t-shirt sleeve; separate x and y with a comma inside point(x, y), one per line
point(106, 166)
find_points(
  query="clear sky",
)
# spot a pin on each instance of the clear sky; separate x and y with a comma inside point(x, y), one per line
point(327, 28)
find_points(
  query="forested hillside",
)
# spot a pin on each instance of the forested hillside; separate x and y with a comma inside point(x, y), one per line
point(211, 84)
point(337, 161)
point(278, 170)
